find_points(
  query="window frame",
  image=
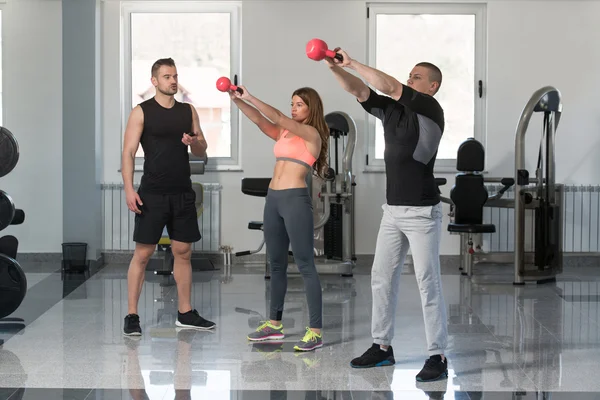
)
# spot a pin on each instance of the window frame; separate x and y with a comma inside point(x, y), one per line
point(2, 24)
point(232, 163)
point(479, 10)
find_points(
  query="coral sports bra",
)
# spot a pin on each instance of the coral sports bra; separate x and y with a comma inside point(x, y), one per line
point(293, 149)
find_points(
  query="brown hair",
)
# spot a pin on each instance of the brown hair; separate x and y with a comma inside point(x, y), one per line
point(316, 119)
point(435, 75)
point(159, 63)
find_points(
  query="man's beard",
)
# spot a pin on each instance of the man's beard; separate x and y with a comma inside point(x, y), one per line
point(169, 92)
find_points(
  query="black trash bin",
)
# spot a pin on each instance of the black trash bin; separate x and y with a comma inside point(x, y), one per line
point(74, 257)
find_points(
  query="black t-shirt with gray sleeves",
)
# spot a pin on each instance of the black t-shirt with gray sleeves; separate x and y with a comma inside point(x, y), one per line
point(413, 127)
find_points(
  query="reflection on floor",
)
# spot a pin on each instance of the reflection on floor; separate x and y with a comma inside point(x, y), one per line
point(506, 342)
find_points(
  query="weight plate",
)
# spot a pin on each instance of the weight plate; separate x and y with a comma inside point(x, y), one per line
point(7, 210)
point(13, 285)
point(9, 152)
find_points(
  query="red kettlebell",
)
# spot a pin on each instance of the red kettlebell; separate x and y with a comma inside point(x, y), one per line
point(317, 50)
point(224, 85)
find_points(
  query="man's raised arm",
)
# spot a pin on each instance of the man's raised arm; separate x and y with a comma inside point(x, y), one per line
point(350, 83)
point(381, 81)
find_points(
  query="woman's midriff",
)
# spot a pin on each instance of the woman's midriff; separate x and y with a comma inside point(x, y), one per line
point(288, 175)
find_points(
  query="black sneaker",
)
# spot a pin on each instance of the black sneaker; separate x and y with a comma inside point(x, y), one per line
point(374, 357)
point(434, 369)
point(192, 319)
point(132, 325)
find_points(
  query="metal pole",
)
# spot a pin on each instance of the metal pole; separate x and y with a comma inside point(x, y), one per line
point(469, 262)
point(463, 246)
point(550, 164)
point(348, 202)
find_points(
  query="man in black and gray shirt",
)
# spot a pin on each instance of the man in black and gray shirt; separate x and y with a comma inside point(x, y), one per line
point(413, 123)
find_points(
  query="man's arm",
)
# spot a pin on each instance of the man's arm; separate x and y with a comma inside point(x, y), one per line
point(350, 83)
point(131, 142)
point(379, 80)
point(373, 103)
point(198, 146)
point(422, 104)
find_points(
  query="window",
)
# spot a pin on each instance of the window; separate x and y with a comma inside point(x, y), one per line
point(203, 40)
point(451, 36)
point(1, 88)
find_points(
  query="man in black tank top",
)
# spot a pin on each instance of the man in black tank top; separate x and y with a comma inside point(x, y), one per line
point(413, 123)
point(165, 128)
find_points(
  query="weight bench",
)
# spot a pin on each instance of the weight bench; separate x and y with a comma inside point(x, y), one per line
point(164, 264)
point(469, 193)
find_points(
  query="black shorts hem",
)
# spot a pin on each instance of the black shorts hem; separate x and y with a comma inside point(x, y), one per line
point(145, 240)
point(189, 239)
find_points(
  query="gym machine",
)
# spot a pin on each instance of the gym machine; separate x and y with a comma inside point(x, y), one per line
point(336, 195)
point(541, 195)
point(13, 282)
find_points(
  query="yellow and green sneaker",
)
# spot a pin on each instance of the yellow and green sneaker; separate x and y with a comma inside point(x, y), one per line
point(267, 331)
point(310, 341)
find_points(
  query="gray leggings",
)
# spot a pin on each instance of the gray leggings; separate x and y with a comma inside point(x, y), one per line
point(288, 218)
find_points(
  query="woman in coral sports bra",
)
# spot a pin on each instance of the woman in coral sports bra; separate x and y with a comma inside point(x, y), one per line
point(301, 146)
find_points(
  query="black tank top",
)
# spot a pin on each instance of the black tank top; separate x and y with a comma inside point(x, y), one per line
point(166, 158)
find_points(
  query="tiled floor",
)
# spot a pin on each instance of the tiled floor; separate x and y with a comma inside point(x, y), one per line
point(506, 342)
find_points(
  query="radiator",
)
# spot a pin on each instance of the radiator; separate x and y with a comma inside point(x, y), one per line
point(581, 222)
point(118, 221)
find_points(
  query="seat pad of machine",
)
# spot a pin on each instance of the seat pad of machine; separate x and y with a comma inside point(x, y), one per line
point(474, 228)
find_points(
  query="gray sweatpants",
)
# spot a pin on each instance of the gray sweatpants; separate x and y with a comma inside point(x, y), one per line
point(288, 218)
point(419, 228)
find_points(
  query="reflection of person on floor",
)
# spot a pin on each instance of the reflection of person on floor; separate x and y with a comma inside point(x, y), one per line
point(133, 372)
point(10, 362)
point(381, 388)
point(389, 395)
point(182, 379)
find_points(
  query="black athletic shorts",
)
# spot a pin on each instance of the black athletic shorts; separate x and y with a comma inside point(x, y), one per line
point(175, 211)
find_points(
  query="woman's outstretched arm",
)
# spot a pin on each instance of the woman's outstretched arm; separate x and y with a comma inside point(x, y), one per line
point(305, 131)
point(269, 128)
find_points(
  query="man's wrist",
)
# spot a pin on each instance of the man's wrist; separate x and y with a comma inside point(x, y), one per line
point(353, 64)
point(335, 68)
point(199, 145)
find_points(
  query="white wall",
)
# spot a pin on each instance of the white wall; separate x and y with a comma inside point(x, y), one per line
point(32, 111)
point(530, 44)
